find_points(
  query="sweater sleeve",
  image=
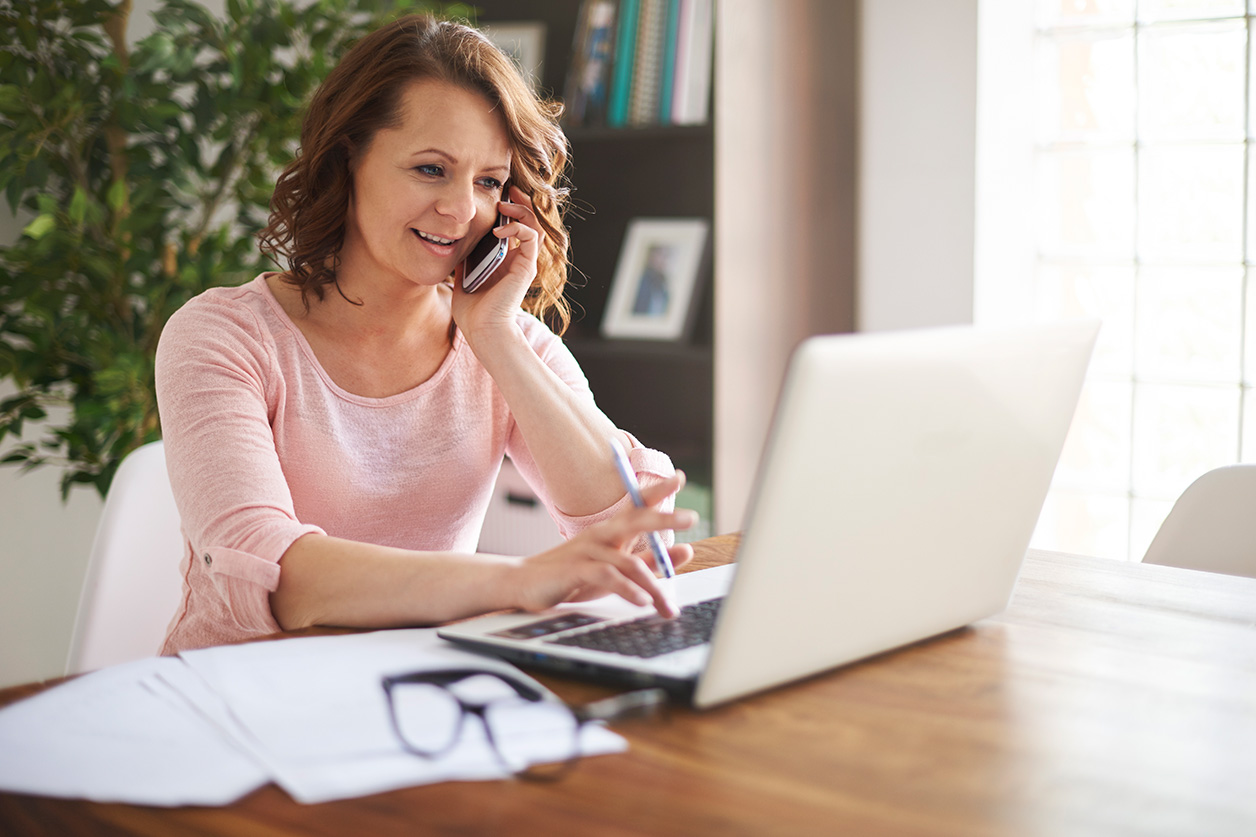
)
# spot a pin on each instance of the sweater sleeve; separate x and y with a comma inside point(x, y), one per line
point(650, 466)
point(217, 387)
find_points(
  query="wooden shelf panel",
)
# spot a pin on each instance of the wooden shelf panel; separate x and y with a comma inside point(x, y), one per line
point(661, 392)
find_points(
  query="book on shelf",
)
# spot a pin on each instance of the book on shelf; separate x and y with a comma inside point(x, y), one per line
point(647, 65)
point(587, 90)
point(640, 62)
point(668, 80)
point(625, 53)
point(692, 85)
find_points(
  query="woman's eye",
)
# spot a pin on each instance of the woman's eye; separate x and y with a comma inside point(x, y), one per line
point(491, 183)
point(429, 170)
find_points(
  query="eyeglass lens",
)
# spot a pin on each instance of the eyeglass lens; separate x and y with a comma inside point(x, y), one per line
point(431, 720)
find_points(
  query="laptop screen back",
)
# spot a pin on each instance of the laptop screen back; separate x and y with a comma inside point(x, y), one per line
point(896, 496)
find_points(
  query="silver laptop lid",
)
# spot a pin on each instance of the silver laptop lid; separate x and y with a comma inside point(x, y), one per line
point(902, 480)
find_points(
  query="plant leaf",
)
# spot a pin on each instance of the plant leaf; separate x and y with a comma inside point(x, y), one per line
point(41, 226)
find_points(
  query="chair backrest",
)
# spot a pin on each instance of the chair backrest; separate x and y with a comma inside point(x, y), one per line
point(133, 584)
point(1212, 526)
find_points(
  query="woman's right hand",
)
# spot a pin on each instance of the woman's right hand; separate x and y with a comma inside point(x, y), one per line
point(597, 562)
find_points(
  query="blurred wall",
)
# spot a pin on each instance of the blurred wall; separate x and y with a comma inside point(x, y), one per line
point(845, 191)
point(896, 144)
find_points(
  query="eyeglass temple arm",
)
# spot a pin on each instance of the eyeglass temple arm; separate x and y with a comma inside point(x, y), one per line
point(629, 704)
point(446, 677)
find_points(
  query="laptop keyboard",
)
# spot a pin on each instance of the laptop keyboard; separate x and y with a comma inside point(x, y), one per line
point(651, 636)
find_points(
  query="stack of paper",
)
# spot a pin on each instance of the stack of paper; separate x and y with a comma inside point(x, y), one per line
point(115, 736)
point(210, 726)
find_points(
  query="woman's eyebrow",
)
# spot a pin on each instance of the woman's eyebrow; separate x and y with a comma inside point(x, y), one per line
point(437, 151)
point(504, 167)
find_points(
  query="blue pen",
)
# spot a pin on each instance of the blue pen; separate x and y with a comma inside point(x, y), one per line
point(634, 491)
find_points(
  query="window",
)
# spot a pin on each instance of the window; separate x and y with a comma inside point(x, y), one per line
point(1142, 192)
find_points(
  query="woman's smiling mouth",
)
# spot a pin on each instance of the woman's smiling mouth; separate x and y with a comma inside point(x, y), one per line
point(435, 239)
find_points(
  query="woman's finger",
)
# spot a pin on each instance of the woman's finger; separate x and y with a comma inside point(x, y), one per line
point(631, 523)
point(520, 198)
point(522, 211)
point(656, 492)
point(632, 578)
point(519, 231)
point(656, 588)
point(618, 572)
point(682, 553)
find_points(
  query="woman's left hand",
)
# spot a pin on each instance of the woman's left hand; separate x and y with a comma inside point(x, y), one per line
point(496, 304)
point(597, 560)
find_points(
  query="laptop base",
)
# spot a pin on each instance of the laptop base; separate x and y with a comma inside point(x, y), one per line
point(678, 689)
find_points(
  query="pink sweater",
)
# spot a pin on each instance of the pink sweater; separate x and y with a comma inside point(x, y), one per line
point(262, 448)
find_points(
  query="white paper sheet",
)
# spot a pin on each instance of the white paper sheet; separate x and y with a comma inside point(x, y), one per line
point(212, 725)
point(314, 711)
point(109, 737)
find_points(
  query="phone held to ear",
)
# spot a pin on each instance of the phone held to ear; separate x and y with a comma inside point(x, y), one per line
point(487, 255)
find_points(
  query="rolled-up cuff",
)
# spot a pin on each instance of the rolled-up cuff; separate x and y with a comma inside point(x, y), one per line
point(244, 581)
point(650, 466)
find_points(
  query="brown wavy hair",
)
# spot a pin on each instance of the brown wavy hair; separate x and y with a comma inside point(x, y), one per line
point(361, 96)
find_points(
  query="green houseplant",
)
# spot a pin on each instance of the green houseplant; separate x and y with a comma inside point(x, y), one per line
point(140, 173)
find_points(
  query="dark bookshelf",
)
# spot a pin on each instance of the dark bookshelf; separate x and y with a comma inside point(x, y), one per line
point(660, 391)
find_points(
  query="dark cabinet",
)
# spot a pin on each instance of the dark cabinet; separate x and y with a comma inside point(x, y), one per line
point(661, 391)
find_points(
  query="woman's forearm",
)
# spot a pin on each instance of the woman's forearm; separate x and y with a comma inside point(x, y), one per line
point(335, 582)
point(332, 581)
point(566, 434)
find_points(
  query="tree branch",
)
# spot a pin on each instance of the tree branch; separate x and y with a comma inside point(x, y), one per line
point(115, 137)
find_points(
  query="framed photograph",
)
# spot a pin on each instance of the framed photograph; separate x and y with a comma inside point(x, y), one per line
point(656, 279)
point(524, 41)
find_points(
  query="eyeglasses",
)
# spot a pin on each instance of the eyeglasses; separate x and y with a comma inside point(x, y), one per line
point(532, 737)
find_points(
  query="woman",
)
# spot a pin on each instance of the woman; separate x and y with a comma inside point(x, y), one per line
point(333, 432)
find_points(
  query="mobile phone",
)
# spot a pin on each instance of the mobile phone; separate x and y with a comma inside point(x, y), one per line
point(487, 255)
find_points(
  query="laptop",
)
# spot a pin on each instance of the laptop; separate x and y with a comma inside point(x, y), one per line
point(902, 478)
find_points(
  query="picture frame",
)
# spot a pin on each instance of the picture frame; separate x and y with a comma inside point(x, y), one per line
point(656, 278)
point(523, 41)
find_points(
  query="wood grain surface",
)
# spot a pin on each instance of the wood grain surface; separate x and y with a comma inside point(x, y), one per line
point(1109, 699)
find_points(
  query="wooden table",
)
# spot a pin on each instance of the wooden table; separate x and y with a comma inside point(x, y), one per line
point(1109, 699)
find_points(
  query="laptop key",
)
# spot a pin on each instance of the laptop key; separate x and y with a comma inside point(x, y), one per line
point(650, 636)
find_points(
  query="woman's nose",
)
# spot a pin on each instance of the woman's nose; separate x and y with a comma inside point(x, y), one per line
point(458, 202)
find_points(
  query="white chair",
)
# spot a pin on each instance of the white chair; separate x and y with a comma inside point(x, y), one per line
point(133, 584)
point(1212, 526)
point(516, 522)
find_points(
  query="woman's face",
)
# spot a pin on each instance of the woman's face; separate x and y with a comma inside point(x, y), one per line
point(426, 190)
